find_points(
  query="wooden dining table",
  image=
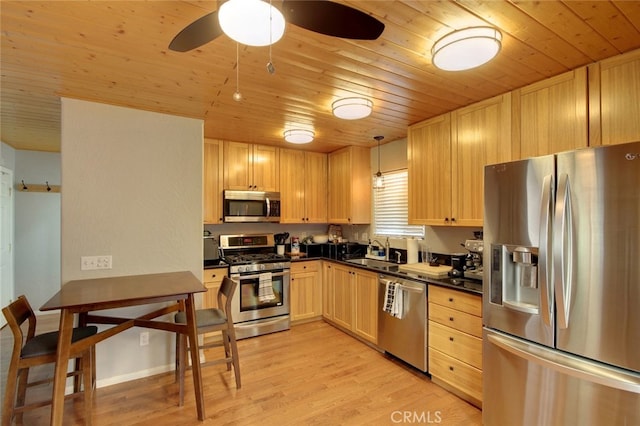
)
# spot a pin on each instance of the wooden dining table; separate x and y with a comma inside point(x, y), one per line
point(84, 297)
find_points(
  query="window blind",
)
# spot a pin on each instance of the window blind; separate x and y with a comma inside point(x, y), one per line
point(391, 207)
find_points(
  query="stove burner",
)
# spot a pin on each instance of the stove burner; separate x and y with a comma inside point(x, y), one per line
point(245, 258)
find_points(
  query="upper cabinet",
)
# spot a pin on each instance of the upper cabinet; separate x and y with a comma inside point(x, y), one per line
point(212, 181)
point(446, 159)
point(303, 186)
point(350, 186)
point(551, 116)
point(614, 100)
point(251, 167)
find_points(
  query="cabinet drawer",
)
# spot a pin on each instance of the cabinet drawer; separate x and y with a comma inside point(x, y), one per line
point(214, 275)
point(456, 344)
point(462, 321)
point(456, 373)
point(459, 300)
point(309, 266)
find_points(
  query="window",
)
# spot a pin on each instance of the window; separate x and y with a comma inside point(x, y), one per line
point(391, 207)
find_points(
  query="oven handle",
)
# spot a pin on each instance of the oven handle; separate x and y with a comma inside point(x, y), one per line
point(249, 277)
point(254, 323)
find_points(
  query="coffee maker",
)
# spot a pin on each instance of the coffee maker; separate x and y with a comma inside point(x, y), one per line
point(474, 259)
point(458, 265)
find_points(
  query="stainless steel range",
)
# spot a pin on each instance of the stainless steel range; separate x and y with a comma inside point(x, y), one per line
point(261, 303)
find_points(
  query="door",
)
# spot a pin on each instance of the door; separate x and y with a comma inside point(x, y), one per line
point(518, 299)
point(597, 252)
point(6, 239)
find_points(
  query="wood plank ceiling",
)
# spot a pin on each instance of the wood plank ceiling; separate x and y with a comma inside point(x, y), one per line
point(116, 52)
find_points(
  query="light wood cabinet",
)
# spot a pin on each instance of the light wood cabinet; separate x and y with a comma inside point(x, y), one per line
point(350, 299)
point(251, 167)
point(306, 290)
point(212, 181)
point(303, 187)
point(551, 116)
point(614, 100)
point(212, 280)
point(455, 342)
point(350, 186)
point(446, 159)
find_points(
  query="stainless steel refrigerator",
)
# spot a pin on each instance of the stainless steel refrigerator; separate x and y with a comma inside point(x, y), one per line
point(561, 342)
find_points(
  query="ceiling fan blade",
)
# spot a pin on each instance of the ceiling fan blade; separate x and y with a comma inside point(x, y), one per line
point(333, 19)
point(197, 33)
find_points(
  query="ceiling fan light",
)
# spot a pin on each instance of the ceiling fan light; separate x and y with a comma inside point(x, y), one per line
point(352, 108)
point(251, 22)
point(466, 49)
point(298, 136)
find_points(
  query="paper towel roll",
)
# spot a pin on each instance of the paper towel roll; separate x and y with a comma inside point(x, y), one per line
point(412, 251)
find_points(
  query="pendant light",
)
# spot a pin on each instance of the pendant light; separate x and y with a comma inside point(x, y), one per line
point(378, 179)
point(237, 96)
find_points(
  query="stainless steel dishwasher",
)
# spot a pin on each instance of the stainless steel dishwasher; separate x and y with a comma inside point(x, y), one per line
point(406, 337)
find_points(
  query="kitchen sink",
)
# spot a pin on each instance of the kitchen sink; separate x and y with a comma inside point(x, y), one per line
point(382, 265)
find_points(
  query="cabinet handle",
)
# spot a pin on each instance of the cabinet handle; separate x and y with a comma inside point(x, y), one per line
point(453, 219)
point(451, 368)
point(451, 299)
point(446, 219)
point(451, 338)
point(450, 318)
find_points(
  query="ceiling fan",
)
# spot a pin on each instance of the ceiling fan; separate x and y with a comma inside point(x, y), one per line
point(321, 16)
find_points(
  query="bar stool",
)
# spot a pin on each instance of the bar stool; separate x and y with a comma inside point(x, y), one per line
point(39, 350)
point(210, 320)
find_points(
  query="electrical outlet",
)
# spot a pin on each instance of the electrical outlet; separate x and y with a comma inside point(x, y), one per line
point(355, 236)
point(95, 262)
point(144, 338)
point(365, 236)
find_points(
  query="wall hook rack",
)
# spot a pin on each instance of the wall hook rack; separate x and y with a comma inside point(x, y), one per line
point(30, 187)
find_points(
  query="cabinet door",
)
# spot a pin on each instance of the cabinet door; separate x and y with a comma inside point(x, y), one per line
point(429, 168)
point(619, 95)
point(265, 168)
point(342, 296)
point(315, 187)
point(237, 166)
point(366, 305)
point(481, 135)
point(212, 181)
point(292, 186)
point(328, 278)
point(212, 280)
point(306, 292)
point(551, 116)
point(339, 186)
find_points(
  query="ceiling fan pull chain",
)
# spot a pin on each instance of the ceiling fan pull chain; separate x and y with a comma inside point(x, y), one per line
point(271, 69)
point(237, 96)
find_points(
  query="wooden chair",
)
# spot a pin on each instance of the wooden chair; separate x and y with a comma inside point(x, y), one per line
point(210, 320)
point(33, 350)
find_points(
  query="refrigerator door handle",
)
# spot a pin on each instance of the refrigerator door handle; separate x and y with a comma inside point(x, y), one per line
point(544, 260)
point(563, 250)
point(568, 365)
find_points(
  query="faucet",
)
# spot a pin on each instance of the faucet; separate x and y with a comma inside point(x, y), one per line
point(399, 255)
point(379, 244)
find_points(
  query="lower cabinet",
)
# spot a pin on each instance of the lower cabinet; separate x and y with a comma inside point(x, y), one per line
point(306, 290)
point(350, 299)
point(212, 280)
point(455, 342)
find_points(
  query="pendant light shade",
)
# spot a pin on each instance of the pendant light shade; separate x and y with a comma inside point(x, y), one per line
point(251, 22)
point(378, 179)
point(352, 108)
point(465, 49)
point(298, 136)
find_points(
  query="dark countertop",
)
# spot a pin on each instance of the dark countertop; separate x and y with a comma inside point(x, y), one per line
point(465, 284)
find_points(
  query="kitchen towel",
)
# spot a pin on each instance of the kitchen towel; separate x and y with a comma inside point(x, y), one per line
point(412, 250)
point(265, 287)
point(394, 300)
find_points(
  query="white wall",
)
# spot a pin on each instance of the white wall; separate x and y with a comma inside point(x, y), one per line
point(132, 189)
point(37, 227)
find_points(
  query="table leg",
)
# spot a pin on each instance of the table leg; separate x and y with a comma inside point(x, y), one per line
point(192, 333)
point(62, 360)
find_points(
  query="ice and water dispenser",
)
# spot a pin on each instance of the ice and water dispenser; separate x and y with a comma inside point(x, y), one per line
point(514, 277)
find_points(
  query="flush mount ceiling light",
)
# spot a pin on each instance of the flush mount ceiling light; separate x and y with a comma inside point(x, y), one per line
point(251, 22)
point(298, 136)
point(352, 108)
point(466, 49)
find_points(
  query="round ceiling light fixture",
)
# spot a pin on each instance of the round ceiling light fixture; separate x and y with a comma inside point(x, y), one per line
point(298, 136)
point(352, 108)
point(251, 22)
point(466, 49)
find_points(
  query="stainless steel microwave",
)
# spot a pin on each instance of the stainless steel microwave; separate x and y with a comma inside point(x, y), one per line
point(251, 206)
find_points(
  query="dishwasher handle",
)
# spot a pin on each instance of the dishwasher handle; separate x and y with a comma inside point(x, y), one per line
point(404, 285)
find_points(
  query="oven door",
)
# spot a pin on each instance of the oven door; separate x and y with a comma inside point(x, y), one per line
point(260, 295)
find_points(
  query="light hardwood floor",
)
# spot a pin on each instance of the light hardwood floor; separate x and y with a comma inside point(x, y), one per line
point(313, 374)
